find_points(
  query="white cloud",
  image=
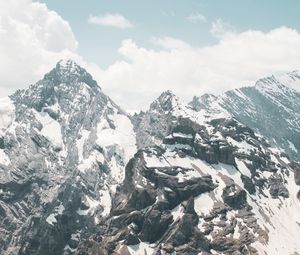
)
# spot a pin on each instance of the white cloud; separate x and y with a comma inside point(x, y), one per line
point(170, 43)
point(111, 20)
point(220, 28)
point(238, 59)
point(32, 40)
point(196, 18)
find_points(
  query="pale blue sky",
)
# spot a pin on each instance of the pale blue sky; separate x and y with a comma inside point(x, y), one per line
point(152, 46)
point(167, 18)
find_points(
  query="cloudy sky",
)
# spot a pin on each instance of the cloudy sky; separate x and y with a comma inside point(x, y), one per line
point(136, 49)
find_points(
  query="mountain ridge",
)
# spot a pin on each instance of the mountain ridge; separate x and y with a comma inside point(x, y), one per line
point(270, 107)
point(79, 176)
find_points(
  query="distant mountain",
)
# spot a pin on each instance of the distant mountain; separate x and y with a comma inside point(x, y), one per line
point(271, 107)
point(78, 175)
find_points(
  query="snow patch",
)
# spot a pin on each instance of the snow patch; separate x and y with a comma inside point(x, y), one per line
point(51, 219)
point(80, 143)
point(4, 159)
point(292, 146)
point(177, 212)
point(141, 249)
point(91, 161)
point(7, 113)
point(242, 146)
point(51, 128)
point(203, 204)
point(243, 168)
point(105, 202)
point(121, 139)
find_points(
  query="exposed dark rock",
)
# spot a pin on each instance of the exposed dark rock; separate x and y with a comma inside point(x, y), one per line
point(248, 184)
point(222, 243)
point(296, 168)
point(206, 152)
point(234, 196)
point(155, 225)
point(183, 231)
point(225, 154)
point(2, 143)
point(131, 239)
point(277, 187)
point(40, 140)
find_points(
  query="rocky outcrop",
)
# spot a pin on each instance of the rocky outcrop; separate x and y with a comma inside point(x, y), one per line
point(234, 196)
point(277, 187)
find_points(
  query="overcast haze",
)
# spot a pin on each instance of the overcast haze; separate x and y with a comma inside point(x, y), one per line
point(137, 49)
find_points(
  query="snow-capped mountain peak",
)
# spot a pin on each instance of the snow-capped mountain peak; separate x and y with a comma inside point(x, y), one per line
point(65, 144)
point(67, 85)
point(68, 71)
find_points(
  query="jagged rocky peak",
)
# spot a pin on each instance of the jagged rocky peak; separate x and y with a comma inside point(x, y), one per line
point(154, 124)
point(67, 81)
point(63, 148)
point(166, 102)
point(68, 71)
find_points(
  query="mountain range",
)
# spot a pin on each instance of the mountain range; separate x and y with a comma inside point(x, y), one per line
point(271, 107)
point(79, 175)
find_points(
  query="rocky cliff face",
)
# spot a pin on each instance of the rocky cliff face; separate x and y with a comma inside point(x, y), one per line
point(79, 176)
point(271, 107)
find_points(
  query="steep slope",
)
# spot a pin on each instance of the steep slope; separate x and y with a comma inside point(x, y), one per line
point(63, 148)
point(201, 183)
point(271, 107)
